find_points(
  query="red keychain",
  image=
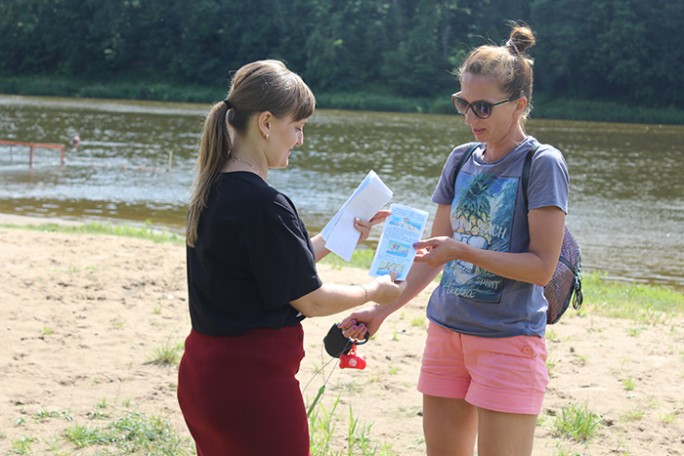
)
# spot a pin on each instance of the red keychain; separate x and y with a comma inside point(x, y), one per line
point(339, 346)
point(352, 360)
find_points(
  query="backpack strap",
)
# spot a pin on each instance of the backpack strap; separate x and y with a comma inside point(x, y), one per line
point(526, 172)
point(464, 159)
point(575, 293)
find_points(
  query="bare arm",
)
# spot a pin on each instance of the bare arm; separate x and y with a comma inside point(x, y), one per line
point(535, 266)
point(422, 274)
point(319, 247)
point(330, 299)
point(419, 277)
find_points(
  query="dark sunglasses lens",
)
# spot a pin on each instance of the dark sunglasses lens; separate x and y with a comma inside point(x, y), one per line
point(460, 104)
point(482, 109)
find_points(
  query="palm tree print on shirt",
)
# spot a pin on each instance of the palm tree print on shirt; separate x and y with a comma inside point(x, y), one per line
point(481, 216)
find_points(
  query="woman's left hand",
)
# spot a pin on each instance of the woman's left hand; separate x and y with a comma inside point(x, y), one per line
point(436, 251)
point(365, 227)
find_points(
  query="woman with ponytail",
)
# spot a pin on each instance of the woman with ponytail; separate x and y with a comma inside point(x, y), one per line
point(483, 373)
point(252, 274)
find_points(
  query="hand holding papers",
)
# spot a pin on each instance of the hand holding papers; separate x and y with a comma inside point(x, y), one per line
point(395, 252)
point(370, 196)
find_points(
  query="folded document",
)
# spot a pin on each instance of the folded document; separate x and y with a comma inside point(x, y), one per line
point(370, 196)
point(395, 252)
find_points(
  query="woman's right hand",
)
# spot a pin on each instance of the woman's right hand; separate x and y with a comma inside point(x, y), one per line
point(367, 320)
point(385, 289)
point(382, 291)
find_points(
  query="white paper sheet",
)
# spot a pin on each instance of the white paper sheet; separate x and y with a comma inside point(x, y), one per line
point(369, 197)
point(395, 252)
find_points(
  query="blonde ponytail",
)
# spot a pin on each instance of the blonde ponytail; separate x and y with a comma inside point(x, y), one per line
point(214, 150)
point(264, 85)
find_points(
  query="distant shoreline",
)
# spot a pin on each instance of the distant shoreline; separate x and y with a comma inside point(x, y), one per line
point(545, 107)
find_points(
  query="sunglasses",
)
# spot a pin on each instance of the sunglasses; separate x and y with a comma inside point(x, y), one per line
point(482, 109)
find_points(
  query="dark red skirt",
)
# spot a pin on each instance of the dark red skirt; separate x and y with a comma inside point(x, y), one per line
point(239, 395)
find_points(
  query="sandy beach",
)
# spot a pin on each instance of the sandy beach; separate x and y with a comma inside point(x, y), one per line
point(85, 317)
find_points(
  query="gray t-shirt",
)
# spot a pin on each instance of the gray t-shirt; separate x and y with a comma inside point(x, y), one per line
point(488, 212)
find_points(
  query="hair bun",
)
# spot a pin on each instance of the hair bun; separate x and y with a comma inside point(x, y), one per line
point(520, 39)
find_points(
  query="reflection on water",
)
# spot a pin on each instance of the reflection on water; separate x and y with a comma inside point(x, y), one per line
point(135, 162)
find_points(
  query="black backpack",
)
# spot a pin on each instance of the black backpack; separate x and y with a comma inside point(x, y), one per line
point(567, 278)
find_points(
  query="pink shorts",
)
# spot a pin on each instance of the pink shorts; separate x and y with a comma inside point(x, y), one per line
point(501, 374)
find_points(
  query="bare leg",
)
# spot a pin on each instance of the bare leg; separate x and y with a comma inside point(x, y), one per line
point(449, 425)
point(505, 434)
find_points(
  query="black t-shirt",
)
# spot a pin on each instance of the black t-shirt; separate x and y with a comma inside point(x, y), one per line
point(251, 258)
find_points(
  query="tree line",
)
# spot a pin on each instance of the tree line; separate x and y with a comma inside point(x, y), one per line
point(615, 50)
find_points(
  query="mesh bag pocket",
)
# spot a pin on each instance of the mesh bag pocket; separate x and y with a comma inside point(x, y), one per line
point(566, 283)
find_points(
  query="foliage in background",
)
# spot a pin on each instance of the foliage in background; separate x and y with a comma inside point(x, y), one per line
point(621, 51)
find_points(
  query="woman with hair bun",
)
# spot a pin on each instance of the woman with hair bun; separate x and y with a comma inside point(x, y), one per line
point(484, 373)
point(252, 274)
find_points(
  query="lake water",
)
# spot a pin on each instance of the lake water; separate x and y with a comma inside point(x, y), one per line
point(135, 163)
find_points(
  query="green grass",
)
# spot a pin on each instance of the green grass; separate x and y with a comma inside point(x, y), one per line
point(628, 384)
point(419, 322)
point(125, 230)
point(133, 433)
point(167, 354)
point(633, 416)
point(668, 418)
point(642, 303)
point(361, 258)
point(647, 304)
point(551, 362)
point(576, 422)
point(23, 445)
point(45, 415)
point(358, 442)
point(107, 430)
